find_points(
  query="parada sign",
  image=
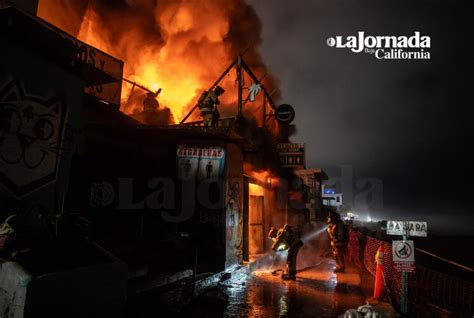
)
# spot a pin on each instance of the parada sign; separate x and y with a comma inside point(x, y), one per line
point(412, 228)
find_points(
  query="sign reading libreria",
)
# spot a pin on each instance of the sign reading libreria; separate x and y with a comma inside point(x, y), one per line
point(200, 162)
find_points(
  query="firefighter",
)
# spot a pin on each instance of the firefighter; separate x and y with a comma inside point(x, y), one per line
point(150, 104)
point(208, 105)
point(287, 238)
point(338, 236)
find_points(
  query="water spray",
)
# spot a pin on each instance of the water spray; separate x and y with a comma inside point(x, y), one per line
point(312, 235)
point(282, 251)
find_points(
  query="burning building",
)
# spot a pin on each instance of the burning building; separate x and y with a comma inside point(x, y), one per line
point(109, 152)
point(178, 46)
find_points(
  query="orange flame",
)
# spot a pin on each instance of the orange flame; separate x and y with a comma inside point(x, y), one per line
point(262, 176)
point(181, 46)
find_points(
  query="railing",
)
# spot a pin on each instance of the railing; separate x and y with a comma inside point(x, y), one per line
point(221, 123)
point(431, 293)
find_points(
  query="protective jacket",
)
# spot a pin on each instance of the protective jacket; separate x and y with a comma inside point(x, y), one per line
point(285, 238)
point(337, 234)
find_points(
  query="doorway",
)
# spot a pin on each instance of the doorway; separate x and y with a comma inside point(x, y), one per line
point(256, 235)
point(256, 222)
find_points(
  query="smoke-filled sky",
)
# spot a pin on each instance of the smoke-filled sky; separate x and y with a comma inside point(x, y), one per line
point(407, 123)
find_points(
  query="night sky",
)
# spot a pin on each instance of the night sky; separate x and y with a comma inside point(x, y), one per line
point(405, 122)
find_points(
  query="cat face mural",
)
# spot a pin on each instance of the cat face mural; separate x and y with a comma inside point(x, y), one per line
point(30, 135)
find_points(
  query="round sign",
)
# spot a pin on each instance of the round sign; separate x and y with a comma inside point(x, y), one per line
point(403, 250)
point(285, 114)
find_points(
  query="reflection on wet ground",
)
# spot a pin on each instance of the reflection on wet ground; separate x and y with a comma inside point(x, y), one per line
point(317, 292)
point(252, 291)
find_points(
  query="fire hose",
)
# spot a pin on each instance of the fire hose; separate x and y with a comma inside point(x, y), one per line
point(276, 271)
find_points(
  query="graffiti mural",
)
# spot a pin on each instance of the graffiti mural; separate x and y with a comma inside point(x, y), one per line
point(234, 222)
point(31, 129)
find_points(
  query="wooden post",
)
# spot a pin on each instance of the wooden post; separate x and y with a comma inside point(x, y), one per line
point(140, 86)
point(264, 111)
point(239, 83)
point(404, 291)
point(255, 79)
point(131, 93)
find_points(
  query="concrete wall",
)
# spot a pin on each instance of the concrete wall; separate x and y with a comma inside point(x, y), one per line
point(89, 291)
point(92, 291)
point(14, 281)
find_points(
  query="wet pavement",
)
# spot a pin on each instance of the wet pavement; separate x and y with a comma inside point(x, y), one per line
point(256, 290)
point(317, 291)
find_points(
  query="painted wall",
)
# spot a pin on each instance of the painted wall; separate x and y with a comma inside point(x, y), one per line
point(234, 221)
point(39, 107)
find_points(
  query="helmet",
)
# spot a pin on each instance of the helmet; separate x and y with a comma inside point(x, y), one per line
point(219, 90)
point(272, 233)
point(333, 217)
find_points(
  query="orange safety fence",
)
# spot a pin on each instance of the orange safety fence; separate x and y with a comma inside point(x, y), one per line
point(431, 293)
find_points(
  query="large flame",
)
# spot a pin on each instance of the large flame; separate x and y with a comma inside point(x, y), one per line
point(263, 176)
point(181, 46)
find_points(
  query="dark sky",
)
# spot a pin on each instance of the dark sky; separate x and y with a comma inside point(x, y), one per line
point(407, 123)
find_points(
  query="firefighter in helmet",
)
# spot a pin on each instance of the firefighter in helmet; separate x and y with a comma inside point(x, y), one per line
point(150, 104)
point(287, 238)
point(337, 234)
point(207, 103)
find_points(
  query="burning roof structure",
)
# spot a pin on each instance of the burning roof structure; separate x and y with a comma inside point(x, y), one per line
point(178, 46)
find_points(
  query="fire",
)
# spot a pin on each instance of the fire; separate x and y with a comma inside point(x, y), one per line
point(180, 46)
point(262, 176)
point(255, 189)
point(152, 64)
